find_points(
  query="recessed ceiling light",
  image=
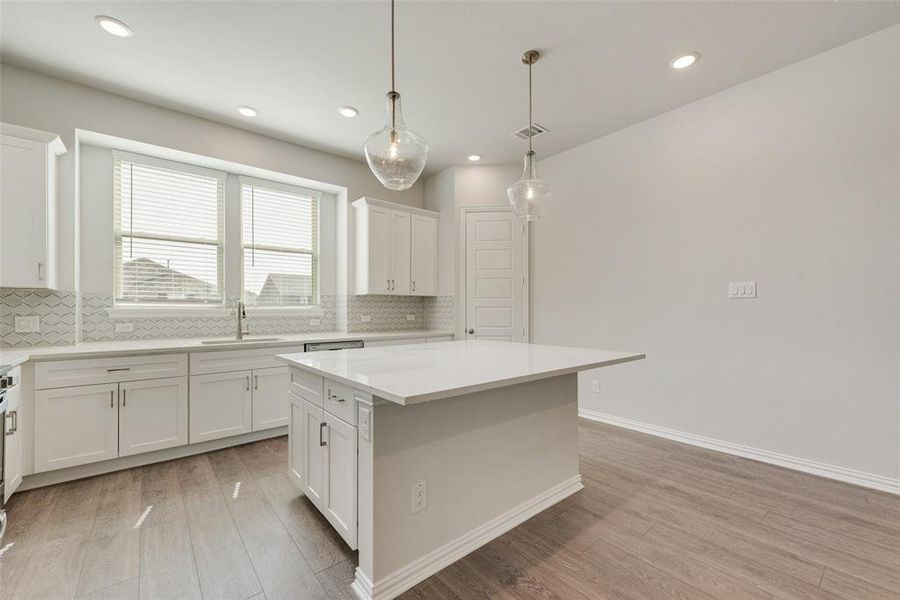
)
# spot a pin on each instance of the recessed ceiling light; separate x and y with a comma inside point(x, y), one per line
point(684, 61)
point(474, 157)
point(348, 111)
point(247, 111)
point(113, 26)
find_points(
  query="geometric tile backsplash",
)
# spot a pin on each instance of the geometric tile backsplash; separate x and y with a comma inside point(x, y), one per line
point(56, 310)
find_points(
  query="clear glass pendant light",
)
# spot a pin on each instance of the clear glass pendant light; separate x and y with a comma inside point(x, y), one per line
point(396, 154)
point(530, 195)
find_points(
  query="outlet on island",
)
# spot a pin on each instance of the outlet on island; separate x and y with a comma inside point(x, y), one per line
point(419, 496)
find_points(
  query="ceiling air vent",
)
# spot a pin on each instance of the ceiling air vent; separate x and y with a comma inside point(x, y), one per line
point(527, 132)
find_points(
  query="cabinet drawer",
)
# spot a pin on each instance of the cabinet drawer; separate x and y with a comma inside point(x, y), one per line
point(92, 371)
point(340, 401)
point(402, 342)
point(440, 338)
point(226, 361)
point(307, 385)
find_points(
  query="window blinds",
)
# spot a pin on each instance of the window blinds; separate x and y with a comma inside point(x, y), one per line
point(168, 232)
point(280, 244)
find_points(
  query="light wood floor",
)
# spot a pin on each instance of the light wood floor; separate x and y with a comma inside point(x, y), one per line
point(657, 520)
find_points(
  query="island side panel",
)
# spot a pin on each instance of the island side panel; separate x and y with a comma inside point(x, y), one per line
point(485, 456)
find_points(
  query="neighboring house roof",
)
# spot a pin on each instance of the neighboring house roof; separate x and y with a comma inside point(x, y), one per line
point(143, 277)
point(286, 288)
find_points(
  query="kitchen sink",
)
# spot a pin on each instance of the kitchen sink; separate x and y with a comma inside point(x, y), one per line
point(246, 340)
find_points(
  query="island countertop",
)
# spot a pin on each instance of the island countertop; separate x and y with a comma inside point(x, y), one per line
point(411, 374)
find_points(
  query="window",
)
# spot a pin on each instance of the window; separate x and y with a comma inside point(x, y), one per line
point(168, 232)
point(280, 244)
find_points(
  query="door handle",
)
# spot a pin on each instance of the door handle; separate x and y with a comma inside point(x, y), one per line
point(321, 431)
point(470, 331)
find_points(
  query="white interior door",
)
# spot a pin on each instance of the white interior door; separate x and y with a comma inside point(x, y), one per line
point(495, 276)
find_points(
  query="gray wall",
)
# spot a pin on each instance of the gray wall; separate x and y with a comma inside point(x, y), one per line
point(791, 180)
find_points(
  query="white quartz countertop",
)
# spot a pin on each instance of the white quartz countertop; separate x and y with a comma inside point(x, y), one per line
point(409, 374)
point(16, 356)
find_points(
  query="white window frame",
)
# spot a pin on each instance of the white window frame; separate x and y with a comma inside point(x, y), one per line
point(144, 308)
point(315, 308)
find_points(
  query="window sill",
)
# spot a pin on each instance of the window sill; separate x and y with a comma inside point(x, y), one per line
point(149, 312)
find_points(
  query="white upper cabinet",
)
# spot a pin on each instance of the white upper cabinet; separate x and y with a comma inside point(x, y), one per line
point(424, 255)
point(28, 183)
point(396, 249)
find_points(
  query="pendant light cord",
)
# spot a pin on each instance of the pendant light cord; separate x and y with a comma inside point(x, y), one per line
point(530, 118)
point(393, 84)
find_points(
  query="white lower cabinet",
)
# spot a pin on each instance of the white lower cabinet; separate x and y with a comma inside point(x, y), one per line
point(153, 415)
point(12, 452)
point(323, 457)
point(220, 405)
point(313, 459)
point(270, 399)
point(340, 477)
point(75, 426)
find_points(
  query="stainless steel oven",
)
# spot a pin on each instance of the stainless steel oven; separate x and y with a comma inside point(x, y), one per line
point(6, 382)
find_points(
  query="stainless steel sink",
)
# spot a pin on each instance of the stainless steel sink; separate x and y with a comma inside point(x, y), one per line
point(246, 340)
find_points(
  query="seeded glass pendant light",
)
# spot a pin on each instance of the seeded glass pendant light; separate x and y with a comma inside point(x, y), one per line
point(529, 196)
point(396, 154)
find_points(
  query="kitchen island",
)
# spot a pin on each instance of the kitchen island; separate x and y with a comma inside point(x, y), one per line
point(418, 455)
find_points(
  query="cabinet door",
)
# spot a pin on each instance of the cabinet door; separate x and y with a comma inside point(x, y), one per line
point(296, 441)
point(270, 397)
point(24, 205)
point(314, 454)
point(153, 415)
point(220, 406)
point(379, 232)
point(424, 256)
point(340, 477)
point(75, 426)
point(400, 252)
point(12, 454)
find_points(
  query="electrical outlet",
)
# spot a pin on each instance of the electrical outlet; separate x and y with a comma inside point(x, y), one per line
point(595, 386)
point(363, 423)
point(419, 496)
point(742, 289)
point(410, 317)
point(30, 324)
point(315, 322)
point(124, 327)
point(365, 318)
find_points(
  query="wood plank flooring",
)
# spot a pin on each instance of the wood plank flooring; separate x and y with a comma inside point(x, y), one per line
point(657, 520)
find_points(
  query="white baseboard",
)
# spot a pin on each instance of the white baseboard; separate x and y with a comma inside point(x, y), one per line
point(406, 577)
point(37, 480)
point(861, 478)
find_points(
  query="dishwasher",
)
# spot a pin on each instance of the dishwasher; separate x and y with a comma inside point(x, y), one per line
point(345, 345)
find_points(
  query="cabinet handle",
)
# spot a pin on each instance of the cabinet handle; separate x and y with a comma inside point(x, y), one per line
point(256, 382)
point(13, 417)
point(321, 431)
point(248, 383)
point(414, 286)
point(41, 271)
point(123, 397)
point(111, 394)
point(389, 284)
point(118, 369)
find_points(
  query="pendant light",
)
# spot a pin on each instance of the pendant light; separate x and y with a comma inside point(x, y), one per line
point(529, 196)
point(396, 154)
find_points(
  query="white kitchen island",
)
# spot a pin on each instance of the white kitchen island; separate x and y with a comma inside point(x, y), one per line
point(420, 454)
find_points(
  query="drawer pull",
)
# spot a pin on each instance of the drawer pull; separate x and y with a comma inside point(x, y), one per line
point(321, 430)
point(118, 369)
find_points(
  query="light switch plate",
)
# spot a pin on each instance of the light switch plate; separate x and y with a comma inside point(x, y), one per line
point(365, 318)
point(124, 327)
point(742, 289)
point(30, 324)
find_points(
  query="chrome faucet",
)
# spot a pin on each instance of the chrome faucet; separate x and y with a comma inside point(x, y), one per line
point(241, 315)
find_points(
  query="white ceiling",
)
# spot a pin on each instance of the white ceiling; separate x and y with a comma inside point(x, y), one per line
point(605, 64)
